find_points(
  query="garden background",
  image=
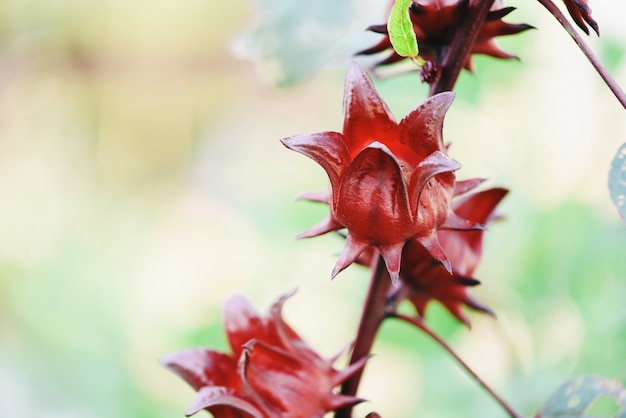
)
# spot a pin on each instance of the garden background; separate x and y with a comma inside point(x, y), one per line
point(142, 182)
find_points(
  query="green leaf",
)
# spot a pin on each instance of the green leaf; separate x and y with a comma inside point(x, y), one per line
point(575, 398)
point(617, 181)
point(401, 31)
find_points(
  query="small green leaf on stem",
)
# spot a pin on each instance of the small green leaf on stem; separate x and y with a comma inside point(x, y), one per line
point(578, 395)
point(617, 181)
point(401, 31)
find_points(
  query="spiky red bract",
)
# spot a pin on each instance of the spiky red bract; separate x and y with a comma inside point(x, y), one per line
point(424, 281)
point(581, 13)
point(435, 23)
point(390, 182)
point(271, 372)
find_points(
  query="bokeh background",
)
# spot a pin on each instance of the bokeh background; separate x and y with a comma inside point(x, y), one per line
point(142, 183)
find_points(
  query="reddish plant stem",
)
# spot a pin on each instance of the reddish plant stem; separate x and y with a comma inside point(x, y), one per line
point(375, 309)
point(461, 46)
point(419, 323)
point(593, 59)
point(374, 312)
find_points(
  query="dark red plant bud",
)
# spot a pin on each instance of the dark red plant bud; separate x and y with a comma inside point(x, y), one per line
point(430, 72)
point(581, 13)
point(424, 280)
point(435, 23)
point(271, 373)
point(390, 182)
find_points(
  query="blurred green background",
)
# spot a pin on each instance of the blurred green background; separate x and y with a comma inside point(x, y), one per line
point(142, 182)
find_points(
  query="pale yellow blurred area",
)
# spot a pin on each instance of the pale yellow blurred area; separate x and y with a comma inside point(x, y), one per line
point(142, 182)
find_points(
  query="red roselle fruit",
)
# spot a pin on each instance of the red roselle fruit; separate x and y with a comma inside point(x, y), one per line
point(271, 372)
point(390, 182)
point(435, 23)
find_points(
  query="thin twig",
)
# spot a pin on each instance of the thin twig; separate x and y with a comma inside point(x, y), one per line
point(593, 59)
point(371, 319)
point(419, 323)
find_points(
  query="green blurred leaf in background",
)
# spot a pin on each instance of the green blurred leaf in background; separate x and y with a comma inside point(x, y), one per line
point(617, 181)
point(578, 396)
point(290, 41)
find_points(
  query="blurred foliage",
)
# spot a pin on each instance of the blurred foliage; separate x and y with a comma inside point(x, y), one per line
point(143, 182)
point(586, 396)
point(617, 181)
point(291, 43)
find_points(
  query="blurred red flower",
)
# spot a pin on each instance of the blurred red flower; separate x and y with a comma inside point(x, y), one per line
point(271, 373)
point(435, 23)
point(390, 182)
point(424, 280)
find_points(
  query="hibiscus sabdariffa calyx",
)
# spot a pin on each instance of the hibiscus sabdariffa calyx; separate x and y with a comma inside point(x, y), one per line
point(390, 182)
point(436, 23)
point(271, 372)
point(424, 282)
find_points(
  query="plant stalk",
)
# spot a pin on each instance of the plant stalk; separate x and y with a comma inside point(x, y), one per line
point(461, 47)
point(419, 323)
point(372, 317)
point(375, 308)
point(593, 59)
